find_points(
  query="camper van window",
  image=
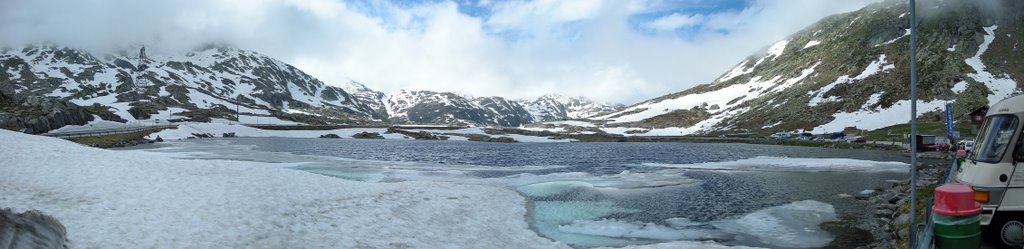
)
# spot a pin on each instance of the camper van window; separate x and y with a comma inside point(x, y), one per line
point(994, 138)
point(1018, 155)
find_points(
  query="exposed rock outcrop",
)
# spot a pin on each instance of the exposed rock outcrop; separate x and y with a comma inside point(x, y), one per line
point(31, 229)
point(38, 114)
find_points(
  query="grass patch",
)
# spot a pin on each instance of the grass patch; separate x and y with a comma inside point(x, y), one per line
point(838, 145)
point(923, 194)
point(928, 128)
point(112, 140)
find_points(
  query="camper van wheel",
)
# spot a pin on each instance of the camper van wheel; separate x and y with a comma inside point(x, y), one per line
point(1008, 232)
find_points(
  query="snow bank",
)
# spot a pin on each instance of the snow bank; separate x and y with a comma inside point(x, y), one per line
point(766, 163)
point(138, 199)
point(96, 123)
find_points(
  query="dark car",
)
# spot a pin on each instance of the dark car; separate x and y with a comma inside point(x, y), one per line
point(837, 135)
point(807, 136)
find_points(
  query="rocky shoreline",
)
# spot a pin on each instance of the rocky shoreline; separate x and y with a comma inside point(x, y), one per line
point(891, 220)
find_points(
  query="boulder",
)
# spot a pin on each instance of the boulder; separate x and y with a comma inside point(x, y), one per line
point(31, 229)
point(334, 136)
point(367, 135)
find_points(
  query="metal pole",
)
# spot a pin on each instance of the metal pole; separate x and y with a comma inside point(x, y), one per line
point(913, 124)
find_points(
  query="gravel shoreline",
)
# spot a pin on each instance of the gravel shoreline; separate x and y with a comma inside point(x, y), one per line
point(891, 221)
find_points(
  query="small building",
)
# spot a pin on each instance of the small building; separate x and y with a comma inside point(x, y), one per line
point(925, 142)
point(977, 118)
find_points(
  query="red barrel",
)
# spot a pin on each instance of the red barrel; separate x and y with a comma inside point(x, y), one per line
point(957, 217)
point(955, 200)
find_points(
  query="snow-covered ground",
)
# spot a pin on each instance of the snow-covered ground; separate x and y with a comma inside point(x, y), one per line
point(144, 199)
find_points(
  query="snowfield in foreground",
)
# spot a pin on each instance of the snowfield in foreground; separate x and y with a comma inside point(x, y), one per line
point(123, 199)
point(138, 199)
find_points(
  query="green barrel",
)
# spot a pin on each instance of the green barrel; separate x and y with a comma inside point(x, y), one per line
point(957, 232)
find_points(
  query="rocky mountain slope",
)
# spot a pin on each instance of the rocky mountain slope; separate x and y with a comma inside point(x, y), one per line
point(450, 108)
point(553, 107)
point(75, 86)
point(851, 70)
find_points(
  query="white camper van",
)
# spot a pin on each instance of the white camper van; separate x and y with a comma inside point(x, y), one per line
point(995, 167)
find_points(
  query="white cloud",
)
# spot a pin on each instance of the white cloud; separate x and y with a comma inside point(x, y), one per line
point(524, 49)
point(531, 14)
point(675, 21)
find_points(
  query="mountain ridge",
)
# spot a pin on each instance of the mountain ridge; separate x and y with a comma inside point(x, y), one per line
point(849, 71)
point(212, 82)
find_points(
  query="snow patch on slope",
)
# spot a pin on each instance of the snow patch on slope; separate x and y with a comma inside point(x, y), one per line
point(875, 67)
point(871, 119)
point(812, 44)
point(895, 39)
point(776, 49)
point(1001, 87)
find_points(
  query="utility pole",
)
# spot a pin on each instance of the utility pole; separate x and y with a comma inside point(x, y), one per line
point(913, 124)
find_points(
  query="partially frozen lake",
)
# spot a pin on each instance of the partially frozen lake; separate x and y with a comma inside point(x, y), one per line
point(615, 194)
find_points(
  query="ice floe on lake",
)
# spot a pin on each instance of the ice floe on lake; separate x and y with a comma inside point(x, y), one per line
point(791, 225)
point(768, 163)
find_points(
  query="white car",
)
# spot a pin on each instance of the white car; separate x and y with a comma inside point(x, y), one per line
point(780, 136)
point(967, 143)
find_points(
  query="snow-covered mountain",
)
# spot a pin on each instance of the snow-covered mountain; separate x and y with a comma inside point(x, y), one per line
point(445, 107)
point(215, 81)
point(553, 107)
point(851, 70)
point(451, 108)
point(209, 82)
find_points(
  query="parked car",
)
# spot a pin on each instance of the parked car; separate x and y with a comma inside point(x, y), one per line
point(807, 136)
point(838, 136)
point(858, 140)
point(967, 143)
point(780, 136)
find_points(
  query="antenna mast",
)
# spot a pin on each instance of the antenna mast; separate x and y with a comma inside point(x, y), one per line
point(141, 82)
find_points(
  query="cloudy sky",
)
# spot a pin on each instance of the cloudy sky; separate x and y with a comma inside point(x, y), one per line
point(621, 51)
